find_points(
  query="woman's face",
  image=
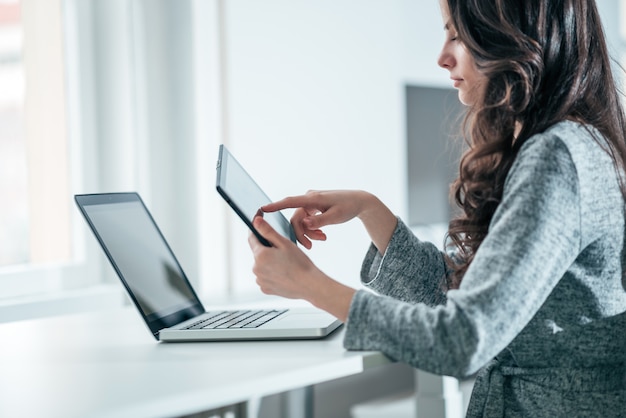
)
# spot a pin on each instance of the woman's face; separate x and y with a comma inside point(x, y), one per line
point(456, 59)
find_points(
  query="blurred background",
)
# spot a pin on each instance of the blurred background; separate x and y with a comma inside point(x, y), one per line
point(136, 95)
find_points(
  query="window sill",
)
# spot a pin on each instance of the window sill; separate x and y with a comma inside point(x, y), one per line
point(62, 302)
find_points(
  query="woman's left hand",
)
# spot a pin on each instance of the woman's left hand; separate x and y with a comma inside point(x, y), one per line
point(282, 269)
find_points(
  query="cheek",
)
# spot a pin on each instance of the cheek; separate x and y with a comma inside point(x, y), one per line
point(469, 69)
point(474, 78)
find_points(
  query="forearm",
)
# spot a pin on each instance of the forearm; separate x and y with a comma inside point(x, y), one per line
point(378, 220)
point(410, 270)
point(333, 297)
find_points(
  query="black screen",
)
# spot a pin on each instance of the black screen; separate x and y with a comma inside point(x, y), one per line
point(245, 196)
point(141, 256)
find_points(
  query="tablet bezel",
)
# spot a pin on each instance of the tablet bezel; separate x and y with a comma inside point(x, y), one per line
point(226, 162)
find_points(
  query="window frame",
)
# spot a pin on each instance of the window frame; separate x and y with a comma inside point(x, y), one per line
point(111, 113)
point(43, 286)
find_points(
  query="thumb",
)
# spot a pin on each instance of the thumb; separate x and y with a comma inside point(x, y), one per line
point(267, 232)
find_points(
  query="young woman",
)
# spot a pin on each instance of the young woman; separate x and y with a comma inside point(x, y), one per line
point(532, 290)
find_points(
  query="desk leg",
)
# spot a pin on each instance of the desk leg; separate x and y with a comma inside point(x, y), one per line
point(298, 403)
point(437, 396)
point(239, 410)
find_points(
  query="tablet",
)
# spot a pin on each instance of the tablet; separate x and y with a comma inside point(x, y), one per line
point(242, 193)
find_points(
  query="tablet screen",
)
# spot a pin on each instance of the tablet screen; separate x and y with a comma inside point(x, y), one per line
point(245, 197)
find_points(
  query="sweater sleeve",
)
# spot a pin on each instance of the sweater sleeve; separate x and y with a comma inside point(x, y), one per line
point(410, 270)
point(534, 236)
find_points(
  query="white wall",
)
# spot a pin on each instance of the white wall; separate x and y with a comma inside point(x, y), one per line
point(308, 94)
point(316, 101)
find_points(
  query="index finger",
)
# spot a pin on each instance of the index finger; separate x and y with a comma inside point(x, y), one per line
point(292, 202)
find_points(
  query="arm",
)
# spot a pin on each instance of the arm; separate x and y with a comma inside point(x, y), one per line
point(410, 270)
point(285, 270)
point(317, 209)
point(534, 237)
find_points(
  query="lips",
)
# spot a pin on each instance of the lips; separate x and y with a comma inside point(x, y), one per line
point(457, 81)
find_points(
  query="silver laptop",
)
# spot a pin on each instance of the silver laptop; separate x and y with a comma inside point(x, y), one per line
point(163, 295)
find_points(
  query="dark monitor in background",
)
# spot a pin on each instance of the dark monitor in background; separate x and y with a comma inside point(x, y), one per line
point(434, 148)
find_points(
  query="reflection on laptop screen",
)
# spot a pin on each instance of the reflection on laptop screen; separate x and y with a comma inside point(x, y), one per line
point(142, 257)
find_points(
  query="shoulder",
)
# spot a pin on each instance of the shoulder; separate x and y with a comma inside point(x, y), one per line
point(544, 162)
point(567, 143)
point(569, 150)
point(566, 166)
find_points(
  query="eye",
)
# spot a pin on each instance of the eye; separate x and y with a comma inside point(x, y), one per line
point(452, 34)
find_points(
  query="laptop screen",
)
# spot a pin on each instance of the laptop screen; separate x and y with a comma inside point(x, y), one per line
point(141, 257)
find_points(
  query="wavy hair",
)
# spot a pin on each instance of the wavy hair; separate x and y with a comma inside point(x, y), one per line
point(544, 61)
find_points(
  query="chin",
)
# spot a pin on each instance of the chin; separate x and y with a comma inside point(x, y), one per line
point(465, 99)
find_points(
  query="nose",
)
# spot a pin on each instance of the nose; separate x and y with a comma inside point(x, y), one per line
point(446, 59)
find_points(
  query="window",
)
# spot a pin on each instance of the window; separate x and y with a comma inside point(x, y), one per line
point(103, 109)
point(37, 242)
point(33, 138)
point(45, 129)
point(13, 171)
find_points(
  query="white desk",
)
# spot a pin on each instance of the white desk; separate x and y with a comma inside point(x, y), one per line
point(108, 365)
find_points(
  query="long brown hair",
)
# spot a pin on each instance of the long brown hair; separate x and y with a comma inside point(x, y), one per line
point(544, 61)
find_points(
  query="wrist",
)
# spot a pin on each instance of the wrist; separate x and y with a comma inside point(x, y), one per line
point(332, 297)
point(370, 204)
point(379, 221)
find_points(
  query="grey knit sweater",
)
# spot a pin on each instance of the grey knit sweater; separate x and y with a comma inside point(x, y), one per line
point(541, 311)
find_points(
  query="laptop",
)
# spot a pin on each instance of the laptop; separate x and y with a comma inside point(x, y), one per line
point(162, 293)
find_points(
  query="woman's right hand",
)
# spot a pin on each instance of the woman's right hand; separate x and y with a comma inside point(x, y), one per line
point(317, 209)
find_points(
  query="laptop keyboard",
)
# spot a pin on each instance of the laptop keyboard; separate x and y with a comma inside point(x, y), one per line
point(235, 319)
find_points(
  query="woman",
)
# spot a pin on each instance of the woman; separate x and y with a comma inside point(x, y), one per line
point(531, 292)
